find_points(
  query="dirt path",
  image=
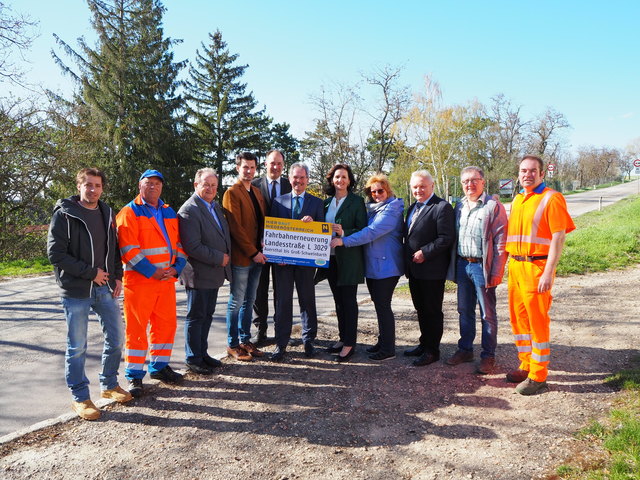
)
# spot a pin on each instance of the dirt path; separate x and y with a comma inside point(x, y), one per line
point(316, 419)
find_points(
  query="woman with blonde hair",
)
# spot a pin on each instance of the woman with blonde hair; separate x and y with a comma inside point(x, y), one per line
point(382, 240)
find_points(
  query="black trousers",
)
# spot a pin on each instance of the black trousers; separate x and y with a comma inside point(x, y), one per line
point(287, 277)
point(427, 296)
point(261, 304)
point(345, 298)
point(381, 291)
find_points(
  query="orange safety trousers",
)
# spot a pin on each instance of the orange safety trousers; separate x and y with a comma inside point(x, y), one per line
point(529, 313)
point(149, 306)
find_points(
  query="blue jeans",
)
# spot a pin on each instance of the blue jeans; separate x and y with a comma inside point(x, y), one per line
point(244, 283)
point(77, 311)
point(201, 305)
point(471, 291)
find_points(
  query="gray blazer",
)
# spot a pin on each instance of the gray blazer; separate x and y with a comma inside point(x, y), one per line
point(204, 243)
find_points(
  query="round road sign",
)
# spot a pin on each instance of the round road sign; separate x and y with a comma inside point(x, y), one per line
point(636, 162)
point(551, 167)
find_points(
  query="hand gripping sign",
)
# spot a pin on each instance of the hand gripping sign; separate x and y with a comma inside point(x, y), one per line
point(295, 242)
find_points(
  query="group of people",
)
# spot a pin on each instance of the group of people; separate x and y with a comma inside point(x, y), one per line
point(144, 249)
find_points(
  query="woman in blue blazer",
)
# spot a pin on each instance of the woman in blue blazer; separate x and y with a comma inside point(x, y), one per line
point(347, 214)
point(382, 240)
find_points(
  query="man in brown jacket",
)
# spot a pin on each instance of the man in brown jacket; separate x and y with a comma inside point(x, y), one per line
point(245, 208)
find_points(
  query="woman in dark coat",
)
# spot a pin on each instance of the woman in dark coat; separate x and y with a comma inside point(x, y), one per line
point(347, 214)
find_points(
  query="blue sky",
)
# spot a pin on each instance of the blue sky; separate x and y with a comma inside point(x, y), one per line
point(580, 57)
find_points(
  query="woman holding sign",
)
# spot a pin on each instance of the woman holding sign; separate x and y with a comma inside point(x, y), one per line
point(382, 240)
point(347, 214)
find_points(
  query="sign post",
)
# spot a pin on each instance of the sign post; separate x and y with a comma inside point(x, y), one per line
point(551, 168)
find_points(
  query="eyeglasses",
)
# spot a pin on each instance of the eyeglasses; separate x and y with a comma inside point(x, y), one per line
point(472, 180)
point(380, 191)
point(209, 185)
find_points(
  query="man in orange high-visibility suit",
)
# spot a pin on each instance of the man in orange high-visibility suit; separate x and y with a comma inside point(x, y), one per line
point(153, 257)
point(538, 224)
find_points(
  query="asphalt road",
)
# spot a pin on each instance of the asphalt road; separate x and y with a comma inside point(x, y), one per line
point(33, 341)
point(33, 331)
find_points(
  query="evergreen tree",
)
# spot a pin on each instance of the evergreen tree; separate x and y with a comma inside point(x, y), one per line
point(285, 142)
point(128, 109)
point(224, 116)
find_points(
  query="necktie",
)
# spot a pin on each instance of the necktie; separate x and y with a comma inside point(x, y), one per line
point(214, 215)
point(273, 190)
point(296, 208)
point(416, 212)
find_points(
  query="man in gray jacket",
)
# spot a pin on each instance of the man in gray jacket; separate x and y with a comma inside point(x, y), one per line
point(204, 234)
point(83, 249)
point(481, 223)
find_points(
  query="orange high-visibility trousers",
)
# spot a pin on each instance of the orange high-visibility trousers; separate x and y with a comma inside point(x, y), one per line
point(153, 306)
point(529, 313)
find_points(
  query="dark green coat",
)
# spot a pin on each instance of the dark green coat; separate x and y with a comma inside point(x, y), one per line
point(352, 215)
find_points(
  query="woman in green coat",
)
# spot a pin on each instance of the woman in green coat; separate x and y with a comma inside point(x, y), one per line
point(347, 214)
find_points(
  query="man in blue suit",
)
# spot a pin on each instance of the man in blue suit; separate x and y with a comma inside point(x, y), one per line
point(302, 206)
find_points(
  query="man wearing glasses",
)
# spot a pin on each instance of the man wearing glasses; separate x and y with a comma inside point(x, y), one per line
point(481, 224)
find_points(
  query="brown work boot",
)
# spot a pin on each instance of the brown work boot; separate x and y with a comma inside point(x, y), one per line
point(251, 349)
point(239, 354)
point(486, 365)
point(460, 357)
point(86, 410)
point(118, 394)
point(517, 376)
point(531, 387)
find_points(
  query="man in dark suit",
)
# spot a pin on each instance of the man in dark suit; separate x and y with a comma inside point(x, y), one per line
point(302, 206)
point(271, 186)
point(429, 233)
point(204, 233)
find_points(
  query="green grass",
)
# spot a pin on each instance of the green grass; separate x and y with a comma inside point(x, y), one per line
point(619, 435)
point(17, 268)
point(604, 240)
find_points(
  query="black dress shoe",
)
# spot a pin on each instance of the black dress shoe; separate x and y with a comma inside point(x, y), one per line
point(373, 348)
point(278, 354)
point(341, 359)
point(260, 338)
point(309, 349)
point(415, 351)
point(211, 362)
point(334, 349)
point(379, 356)
point(167, 375)
point(294, 342)
point(426, 359)
point(202, 369)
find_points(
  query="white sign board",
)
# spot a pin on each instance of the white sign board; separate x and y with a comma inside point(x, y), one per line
point(295, 242)
point(506, 186)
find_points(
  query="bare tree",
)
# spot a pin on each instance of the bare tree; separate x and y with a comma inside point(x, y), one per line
point(16, 36)
point(545, 137)
point(392, 105)
point(334, 138)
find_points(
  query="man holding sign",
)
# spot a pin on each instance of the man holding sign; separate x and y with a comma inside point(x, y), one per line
point(301, 206)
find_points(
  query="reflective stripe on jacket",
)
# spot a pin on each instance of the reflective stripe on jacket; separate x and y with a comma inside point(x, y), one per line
point(535, 217)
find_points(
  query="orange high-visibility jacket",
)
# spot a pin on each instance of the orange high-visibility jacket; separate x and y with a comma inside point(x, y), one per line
point(534, 218)
point(143, 246)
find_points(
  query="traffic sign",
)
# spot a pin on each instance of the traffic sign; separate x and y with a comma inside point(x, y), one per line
point(551, 167)
point(506, 186)
point(636, 162)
